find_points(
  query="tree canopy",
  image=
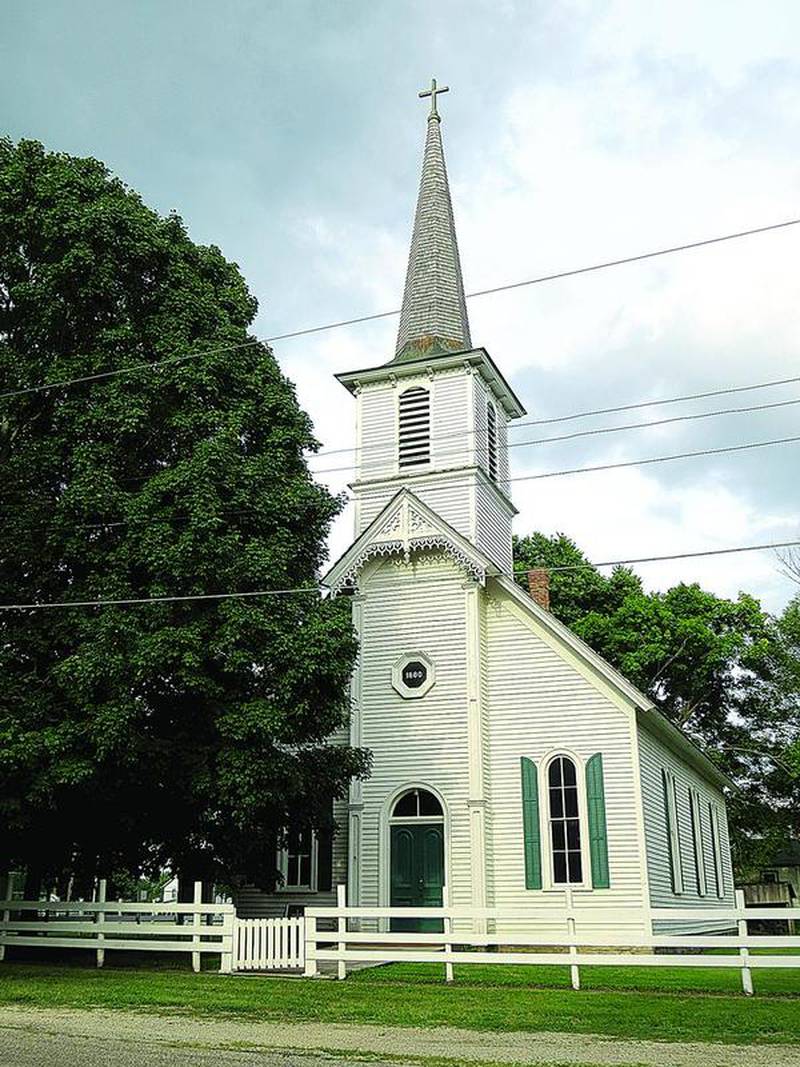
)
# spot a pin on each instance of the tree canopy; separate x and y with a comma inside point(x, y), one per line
point(724, 671)
point(183, 732)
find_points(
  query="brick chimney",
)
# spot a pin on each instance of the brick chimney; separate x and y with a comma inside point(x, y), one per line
point(539, 587)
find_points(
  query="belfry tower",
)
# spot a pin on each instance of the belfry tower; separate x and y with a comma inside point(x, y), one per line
point(434, 418)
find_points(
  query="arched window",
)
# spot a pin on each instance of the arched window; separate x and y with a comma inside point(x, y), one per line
point(414, 442)
point(565, 823)
point(417, 804)
point(491, 439)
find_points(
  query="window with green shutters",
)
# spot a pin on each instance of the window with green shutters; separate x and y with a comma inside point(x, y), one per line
point(596, 808)
point(530, 824)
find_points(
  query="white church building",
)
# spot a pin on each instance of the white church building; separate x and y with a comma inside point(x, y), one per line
point(510, 761)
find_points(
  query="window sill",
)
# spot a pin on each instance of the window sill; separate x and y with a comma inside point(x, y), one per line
point(295, 889)
point(576, 888)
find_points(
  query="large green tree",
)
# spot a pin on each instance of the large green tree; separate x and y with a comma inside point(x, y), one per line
point(722, 670)
point(183, 732)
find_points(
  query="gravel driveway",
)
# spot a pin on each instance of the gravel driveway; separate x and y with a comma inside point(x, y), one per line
point(126, 1039)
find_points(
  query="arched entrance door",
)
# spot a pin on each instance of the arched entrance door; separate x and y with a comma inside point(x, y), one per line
point(416, 834)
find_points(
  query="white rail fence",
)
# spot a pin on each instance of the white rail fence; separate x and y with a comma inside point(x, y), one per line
point(573, 948)
point(115, 925)
point(268, 944)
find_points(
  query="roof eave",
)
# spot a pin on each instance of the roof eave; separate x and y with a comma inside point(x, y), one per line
point(476, 357)
point(646, 711)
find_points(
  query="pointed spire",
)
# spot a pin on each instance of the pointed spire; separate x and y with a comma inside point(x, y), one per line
point(434, 314)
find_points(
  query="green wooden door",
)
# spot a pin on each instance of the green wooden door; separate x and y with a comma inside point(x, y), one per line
point(417, 873)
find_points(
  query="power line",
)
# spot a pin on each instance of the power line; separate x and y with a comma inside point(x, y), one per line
point(303, 590)
point(638, 258)
point(159, 599)
point(128, 370)
point(609, 429)
point(657, 422)
point(583, 414)
point(503, 481)
point(660, 559)
point(653, 459)
point(388, 314)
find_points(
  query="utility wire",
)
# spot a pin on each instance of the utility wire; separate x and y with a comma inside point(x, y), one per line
point(460, 480)
point(160, 599)
point(582, 414)
point(659, 559)
point(462, 452)
point(606, 429)
point(653, 459)
point(388, 314)
point(303, 590)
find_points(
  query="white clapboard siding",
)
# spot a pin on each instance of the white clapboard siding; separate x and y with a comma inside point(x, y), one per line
point(655, 757)
point(407, 606)
point(377, 432)
point(541, 704)
point(451, 422)
point(493, 525)
point(455, 483)
point(268, 944)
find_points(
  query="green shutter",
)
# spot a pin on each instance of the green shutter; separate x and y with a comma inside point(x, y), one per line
point(598, 840)
point(530, 825)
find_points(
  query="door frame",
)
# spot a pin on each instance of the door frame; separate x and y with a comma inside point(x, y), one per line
point(385, 844)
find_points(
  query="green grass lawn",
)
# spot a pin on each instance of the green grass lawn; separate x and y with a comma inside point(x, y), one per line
point(645, 979)
point(657, 1005)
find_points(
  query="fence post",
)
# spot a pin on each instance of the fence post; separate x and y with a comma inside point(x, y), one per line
point(741, 926)
point(196, 924)
point(311, 946)
point(341, 927)
point(101, 918)
point(574, 971)
point(447, 926)
point(226, 958)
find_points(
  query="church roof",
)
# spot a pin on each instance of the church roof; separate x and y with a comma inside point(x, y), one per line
point(433, 318)
point(647, 713)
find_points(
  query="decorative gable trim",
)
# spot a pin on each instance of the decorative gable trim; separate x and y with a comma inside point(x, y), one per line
point(406, 526)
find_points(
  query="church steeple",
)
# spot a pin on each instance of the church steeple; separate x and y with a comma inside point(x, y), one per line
point(433, 420)
point(434, 314)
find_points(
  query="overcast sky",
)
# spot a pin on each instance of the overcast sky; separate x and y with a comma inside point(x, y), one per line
point(290, 134)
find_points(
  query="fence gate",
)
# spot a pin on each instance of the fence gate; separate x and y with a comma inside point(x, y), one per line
point(268, 944)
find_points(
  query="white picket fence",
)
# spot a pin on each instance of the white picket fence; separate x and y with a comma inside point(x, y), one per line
point(113, 925)
point(268, 944)
point(620, 949)
point(301, 944)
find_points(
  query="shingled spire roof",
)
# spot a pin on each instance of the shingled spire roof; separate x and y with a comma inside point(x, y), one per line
point(434, 314)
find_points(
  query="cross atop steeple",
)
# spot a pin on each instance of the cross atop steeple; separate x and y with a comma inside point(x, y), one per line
point(433, 318)
point(433, 92)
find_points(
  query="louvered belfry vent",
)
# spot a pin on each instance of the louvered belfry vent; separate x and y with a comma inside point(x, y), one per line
point(414, 447)
point(491, 439)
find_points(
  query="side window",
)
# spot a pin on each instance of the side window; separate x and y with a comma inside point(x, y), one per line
point(564, 821)
point(673, 830)
point(414, 438)
point(491, 439)
point(297, 862)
